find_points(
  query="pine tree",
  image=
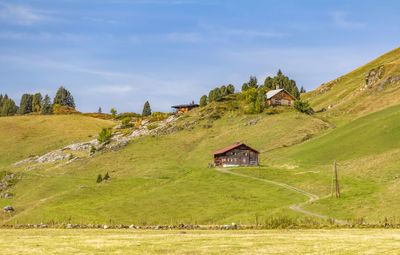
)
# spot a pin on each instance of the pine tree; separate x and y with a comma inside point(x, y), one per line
point(26, 104)
point(9, 108)
point(268, 83)
point(224, 91)
point(245, 86)
point(46, 106)
point(146, 109)
point(37, 102)
point(64, 98)
point(302, 90)
point(252, 82)
point(230, 89)
point(217, 94)
point(106, 177)
point(211, 96)
point(203, 101)
point(99, 110)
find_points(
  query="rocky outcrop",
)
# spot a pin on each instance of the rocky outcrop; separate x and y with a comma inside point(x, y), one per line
point(373, 76)
point(118, 141)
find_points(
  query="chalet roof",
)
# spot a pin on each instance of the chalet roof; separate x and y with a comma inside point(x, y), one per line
point(274, 92)
point(233, 147)
point(185, 106)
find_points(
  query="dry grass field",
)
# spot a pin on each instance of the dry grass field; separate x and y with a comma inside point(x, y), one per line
point(339, 241)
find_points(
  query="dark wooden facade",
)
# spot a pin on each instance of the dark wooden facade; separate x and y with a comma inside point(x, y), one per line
point(236, 155)
point(280, 97)
point(184, 108)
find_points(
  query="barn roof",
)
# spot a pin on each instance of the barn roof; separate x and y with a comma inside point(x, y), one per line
point(233, 147)
point(185, 106)
point(274, 92)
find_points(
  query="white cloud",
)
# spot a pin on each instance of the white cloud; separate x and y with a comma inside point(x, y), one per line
point(340, 20)
point(21, 15)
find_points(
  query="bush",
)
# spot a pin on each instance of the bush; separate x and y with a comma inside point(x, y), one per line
point(302, 106)
point(106, 177)
point(58, 109)
point(156, 116)
point(151, 127)
point(105, 135)
point(99, 178)
point(126, 122)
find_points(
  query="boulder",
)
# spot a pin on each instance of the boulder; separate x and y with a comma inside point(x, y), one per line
point(106, 227)
point(8, 208)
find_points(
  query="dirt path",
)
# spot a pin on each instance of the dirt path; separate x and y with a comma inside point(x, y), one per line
point(295, 207)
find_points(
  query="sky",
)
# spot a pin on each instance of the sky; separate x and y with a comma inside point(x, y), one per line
point(121, 53)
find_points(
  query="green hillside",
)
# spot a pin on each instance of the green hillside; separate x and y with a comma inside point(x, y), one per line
point(356, 94)
point(165, 179)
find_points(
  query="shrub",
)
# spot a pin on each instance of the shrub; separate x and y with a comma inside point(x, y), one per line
point(126, 122)
point(302, 106)
point(58, 109)
point(106, 177)
point(151, 127)
point(99, 178)
point(92, 149)
point(105, 135)
point(156, 116)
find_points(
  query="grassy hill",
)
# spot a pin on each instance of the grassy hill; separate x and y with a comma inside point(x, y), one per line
point(165, 179)
point(24, 136)
point(357, 94)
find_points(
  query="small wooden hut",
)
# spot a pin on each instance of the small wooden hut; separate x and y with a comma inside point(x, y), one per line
point(280, 97)
point(236, 155)
point(184, 108)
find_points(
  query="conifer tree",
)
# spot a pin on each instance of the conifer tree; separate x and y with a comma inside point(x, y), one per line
point(146, 109)
point(211, 96)
point(9, 108)
point(224, 91)
point(64, 98)
point(26, 104)
point(302, 90)
point(230, 89)
point(245, 86)
point(252, 82)
point(46, 106)
point(99, 110)
point(217, 94)
point(106, 177)
point(37, 102)
point(203, 101)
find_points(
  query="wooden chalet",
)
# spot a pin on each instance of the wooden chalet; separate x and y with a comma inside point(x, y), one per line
point(236, 155)
point(184, 108)
point(280, 97)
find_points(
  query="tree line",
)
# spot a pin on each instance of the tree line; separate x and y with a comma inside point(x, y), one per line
point(36, 103)
point(253, 93)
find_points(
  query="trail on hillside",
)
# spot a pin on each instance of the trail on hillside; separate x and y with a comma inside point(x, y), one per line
point(295, 207)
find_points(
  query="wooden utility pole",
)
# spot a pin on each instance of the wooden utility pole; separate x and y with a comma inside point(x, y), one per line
point(337, 181)
point(333, 177)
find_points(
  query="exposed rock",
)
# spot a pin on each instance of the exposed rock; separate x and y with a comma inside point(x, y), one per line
point(252, 122)
point(8, 208)
point(69, 225)
point(106, 227)
point(372, 76)
point(234, 225)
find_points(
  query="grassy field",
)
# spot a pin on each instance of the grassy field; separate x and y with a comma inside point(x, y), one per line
point(57, 241)
point(165, 179)
point(24, 136)
point(367, 151)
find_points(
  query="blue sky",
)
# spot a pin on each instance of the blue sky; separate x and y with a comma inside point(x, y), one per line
point(121, 53)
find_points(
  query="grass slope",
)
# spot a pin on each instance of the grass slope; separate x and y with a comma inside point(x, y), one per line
point(165, 179)
point(349, 97)
point(368, 154)
point(24, 136)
